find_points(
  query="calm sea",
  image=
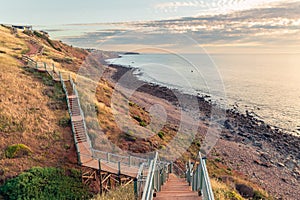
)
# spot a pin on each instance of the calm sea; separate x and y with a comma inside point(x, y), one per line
point(266, 84)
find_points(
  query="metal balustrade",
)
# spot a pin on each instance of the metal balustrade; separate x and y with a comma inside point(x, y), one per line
point(157, 175)
point(198, 178)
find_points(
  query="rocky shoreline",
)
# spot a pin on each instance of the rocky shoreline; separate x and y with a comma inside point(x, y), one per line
point(273, 151)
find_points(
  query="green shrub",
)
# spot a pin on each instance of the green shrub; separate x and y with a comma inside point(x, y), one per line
point(258, 196)
point(143, 124)
point(38, 34)
point(45, 183)
point(137, 118)
point(232, 195)
point(65, 121)
point(161, 134)
point(47, 80)
point(129, 136)
point(17, 150)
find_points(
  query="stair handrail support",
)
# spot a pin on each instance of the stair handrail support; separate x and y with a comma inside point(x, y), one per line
point(139, 182)
point(198, 178)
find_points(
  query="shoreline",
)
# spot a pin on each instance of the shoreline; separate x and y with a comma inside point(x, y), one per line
point(276, 149)
point(276, 117)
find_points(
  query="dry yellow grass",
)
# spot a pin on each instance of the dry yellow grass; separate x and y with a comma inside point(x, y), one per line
point(223, 191)
point(124, 193)
point(10, 44)
point(26, 117)
point(22, 99)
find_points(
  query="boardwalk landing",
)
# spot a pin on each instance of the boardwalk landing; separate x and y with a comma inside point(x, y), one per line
point(176, 189)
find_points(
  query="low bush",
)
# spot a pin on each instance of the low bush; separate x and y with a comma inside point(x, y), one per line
point(161, 134)
point(17, 150)
point(143, 124)
point(258, 196)
point(137, 118)
point(129, 136)
point(65, 121)
point(45, 183)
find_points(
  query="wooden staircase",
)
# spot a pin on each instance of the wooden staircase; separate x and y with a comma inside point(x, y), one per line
point(176, 189)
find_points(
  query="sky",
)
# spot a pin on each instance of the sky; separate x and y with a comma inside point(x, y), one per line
point(220, 26)
point(37, 12)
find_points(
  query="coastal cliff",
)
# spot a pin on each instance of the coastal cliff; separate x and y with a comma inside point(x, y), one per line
point(251, 159)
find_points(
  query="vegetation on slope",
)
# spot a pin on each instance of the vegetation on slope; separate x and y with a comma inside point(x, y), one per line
point(45, 183)
point(33, 113)
point(124, 193)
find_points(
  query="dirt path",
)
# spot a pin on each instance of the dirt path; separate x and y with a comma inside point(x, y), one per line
point(34, 48)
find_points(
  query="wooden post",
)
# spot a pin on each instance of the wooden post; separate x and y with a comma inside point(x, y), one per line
point(99, 174)
point(78, 156)
point(119, 168)
point(119, 173)
point(135, 187)
point(129, 162)
point(107, 157)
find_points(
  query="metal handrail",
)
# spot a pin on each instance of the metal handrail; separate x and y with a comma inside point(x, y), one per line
point(157, 175)
point(119, 158)
point(148, 189)
point(139, 182)
point(197, 176)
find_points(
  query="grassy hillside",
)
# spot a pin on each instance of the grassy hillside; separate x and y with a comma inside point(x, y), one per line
point(34, 121)
point(27, 114)
point(33, 117)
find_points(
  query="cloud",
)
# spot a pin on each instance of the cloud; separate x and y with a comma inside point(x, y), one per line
point(271, 26)
point(177, 4)
point(213, 6)
point(259, 24)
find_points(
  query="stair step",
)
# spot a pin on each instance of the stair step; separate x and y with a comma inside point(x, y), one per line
point(81, 134)
point(80, 131)
point(176, 188)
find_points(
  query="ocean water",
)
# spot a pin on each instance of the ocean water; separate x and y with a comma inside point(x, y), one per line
point(268, 85)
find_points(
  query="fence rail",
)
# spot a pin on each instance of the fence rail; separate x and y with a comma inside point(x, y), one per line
point(197, 176)
point(124, 159)
point(158, 174)
point(30, 62)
